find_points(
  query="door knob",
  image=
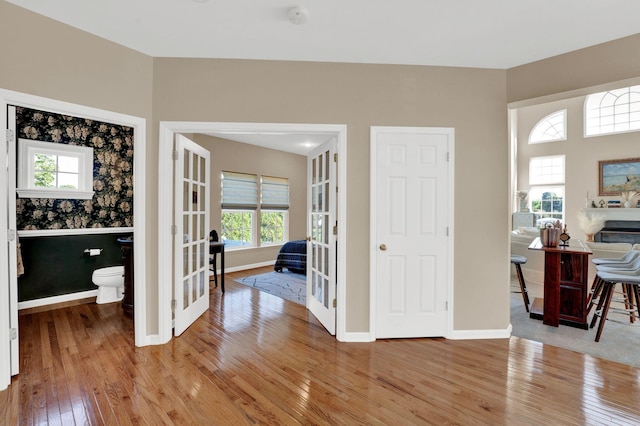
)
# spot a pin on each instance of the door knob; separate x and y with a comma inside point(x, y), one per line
point(383, 247)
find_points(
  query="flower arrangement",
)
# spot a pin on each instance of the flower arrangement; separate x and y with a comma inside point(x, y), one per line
point(629, 197)
point(590, 224)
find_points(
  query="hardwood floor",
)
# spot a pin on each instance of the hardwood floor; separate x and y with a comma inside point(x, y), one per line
point(256, 359)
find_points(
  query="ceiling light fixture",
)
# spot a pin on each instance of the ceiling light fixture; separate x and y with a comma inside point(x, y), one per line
point(297, 15)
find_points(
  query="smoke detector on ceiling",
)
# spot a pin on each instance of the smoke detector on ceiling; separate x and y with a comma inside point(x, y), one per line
point(298, 15)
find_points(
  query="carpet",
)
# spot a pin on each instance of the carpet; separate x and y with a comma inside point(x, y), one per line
point(619, 340)
point(285, 284)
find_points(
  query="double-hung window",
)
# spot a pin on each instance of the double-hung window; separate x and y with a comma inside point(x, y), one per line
point(274, 210)
point(239, 205)
point(254, 210)
point(546, 180)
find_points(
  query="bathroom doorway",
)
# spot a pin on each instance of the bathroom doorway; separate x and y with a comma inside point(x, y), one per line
point(9, 352)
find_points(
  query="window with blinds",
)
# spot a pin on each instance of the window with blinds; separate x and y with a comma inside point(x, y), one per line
point(239, 191)
point(245, 194)
point(274, 193)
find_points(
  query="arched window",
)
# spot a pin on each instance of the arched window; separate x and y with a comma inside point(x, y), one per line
point(615, 111)
point(551, 128)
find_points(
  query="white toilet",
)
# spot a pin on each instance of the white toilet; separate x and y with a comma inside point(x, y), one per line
point(110, 282)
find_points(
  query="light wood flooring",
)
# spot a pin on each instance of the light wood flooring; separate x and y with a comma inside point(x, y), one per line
point(257, 359)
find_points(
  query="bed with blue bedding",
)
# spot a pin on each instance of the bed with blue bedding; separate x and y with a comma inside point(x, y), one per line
point(293, 256)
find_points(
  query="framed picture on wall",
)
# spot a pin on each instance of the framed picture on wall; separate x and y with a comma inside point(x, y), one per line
point(616, 176)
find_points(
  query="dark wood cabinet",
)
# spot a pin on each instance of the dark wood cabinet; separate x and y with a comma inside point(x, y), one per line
point(565, 285)
point(127, 260)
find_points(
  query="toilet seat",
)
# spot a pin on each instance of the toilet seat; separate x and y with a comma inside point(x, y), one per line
point(111, 271)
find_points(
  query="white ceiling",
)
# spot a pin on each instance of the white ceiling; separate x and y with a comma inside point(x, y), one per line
point(300, 143)
point(464, 33)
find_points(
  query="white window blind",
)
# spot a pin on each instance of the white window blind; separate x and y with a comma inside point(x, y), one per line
point(239, 191)
point(274, 193)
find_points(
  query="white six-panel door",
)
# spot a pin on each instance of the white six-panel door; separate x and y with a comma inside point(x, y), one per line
point(410, 230)
point(191, 243)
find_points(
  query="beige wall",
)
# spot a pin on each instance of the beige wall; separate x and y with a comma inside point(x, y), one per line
point(45, 58)
point(581, 154)
point(470, 100)
point(601, 64)
point(93, 72)
point(244, 158)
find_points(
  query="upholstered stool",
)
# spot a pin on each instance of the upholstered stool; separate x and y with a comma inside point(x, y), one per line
point(630, 283)
point(625, 264)
point(517, 261)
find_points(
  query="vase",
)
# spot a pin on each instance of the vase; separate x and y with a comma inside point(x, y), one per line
point(627, 204)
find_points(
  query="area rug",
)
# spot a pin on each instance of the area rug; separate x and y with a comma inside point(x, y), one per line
point(619, 341)
point(285, 284)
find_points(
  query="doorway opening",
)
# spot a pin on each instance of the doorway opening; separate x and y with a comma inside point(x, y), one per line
point(9, 286)
point(168, 130)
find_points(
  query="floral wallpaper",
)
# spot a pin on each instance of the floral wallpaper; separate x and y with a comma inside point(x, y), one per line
point(112, 202)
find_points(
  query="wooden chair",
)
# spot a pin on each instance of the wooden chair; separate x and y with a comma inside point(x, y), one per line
point(213, 254)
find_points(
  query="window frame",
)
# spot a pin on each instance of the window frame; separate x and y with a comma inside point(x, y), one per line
point(601, 96)
point(547, 188)
point(285, 227)
point(546, 121)
point(28, 148)
point(550, 182)
point(253, 243)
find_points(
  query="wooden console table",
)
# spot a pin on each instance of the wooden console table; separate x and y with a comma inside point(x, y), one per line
point(565, 285)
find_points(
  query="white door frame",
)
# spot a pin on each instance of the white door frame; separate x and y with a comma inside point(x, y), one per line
point(165, 205)
point(9, 97)
point(373, 249)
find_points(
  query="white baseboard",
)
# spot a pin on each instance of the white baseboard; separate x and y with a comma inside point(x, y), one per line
point(251, 266)
point(57, 299)
point(357, 337)
point(481, 334)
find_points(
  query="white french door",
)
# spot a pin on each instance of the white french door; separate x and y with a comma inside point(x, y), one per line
point(322, 230)
point(410, 230)
point(12, 240)
point(191, 241)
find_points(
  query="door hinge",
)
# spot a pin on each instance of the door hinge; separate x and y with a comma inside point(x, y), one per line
point(446, 231)
point(11, 234)
point(13, 334)
point(174, 229)
point(447, 157)
point(335, 157)
point(174, 155)
point(446, 305)
point(11, 135)
point(335, 303)
point(335, 230)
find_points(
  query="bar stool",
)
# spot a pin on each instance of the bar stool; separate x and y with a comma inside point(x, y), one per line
point(629, 261)
point(630, 282)
point(517, 261)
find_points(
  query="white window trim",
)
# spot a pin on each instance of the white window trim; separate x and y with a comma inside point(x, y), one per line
point(27, 148)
